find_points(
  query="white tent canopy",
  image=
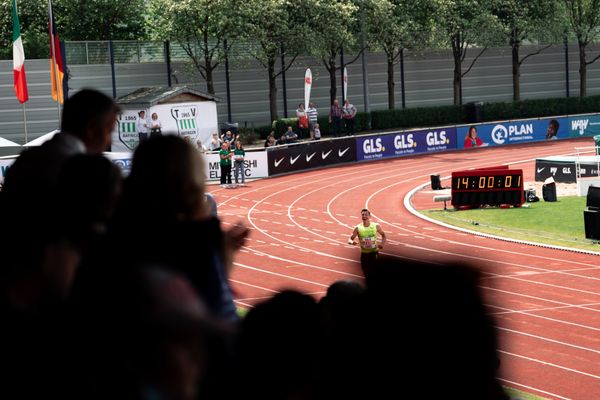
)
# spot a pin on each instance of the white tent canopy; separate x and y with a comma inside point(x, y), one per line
point(41, 139)
point(8, 143)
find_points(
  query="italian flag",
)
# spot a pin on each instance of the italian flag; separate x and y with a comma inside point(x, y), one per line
point(18, 58)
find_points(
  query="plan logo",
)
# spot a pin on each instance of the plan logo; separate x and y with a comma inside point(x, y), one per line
point(501, 133)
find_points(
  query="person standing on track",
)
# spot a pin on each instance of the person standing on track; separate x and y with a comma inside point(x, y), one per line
point(367, 239)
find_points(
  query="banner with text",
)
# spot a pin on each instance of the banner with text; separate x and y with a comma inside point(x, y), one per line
point(308, 155)
point(522, 131)
point(255, 164)
point(584, 125)
point(405, 143)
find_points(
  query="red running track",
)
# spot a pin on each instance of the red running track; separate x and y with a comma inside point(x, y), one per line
point(545, 301)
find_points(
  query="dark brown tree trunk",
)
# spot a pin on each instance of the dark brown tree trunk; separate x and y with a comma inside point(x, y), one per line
point(457, 82)
point(582, 71)
point(332, 80)
point(390, 82)
point(516, 72)
point(210, 86)
point(272, 90)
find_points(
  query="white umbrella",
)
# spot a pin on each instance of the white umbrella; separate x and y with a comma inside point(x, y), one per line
point(41, 139)
point(8, 143)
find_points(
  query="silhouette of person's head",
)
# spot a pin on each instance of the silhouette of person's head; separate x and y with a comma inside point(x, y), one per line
point(91, 116)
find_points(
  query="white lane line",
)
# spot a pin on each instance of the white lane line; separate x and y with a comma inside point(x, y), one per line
point(550, 364)
point(534, 389)
point(264, 271)
point(549, 340)
point(254, 286)
point(583, 307)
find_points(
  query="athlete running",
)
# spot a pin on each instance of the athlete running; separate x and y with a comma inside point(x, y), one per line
point(367, 239)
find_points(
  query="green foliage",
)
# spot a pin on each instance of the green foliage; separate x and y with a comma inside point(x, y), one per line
point(417, 117)
point(33, 17)
point(100, 19)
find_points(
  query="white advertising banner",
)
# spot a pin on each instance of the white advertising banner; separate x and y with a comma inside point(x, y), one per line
point(307, 87)
point(195, 121)
point(255, 162)
point(5, 162)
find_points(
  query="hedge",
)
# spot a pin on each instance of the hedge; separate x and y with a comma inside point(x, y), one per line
point(450, 115)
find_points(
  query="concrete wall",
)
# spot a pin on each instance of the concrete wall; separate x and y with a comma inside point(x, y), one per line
point(428, 79)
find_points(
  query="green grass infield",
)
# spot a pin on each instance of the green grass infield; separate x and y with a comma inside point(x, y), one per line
point(557, 223)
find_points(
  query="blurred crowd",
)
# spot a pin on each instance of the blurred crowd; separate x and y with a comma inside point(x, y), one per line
point(115, 288)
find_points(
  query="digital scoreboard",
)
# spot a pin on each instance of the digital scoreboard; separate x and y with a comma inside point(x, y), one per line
point(488, 186)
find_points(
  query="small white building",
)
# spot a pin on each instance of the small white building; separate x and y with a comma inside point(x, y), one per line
point(182, 111)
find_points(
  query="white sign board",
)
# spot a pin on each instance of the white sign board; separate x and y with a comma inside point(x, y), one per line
point(255, 162)
point(195, 121)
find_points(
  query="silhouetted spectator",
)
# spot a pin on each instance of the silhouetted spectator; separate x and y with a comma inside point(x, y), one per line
point(279, 348)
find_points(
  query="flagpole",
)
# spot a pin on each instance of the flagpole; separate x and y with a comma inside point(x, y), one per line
point(25, 121)
point(53, 58)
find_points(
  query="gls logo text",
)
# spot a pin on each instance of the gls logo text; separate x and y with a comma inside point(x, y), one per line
point(580, 125)
point(500, 133)
point(435, 138)
point(402, 142)
point(371, 146)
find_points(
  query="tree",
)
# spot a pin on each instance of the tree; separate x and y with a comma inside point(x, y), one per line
point(100, 19)
point(584, 17)
point(33, 16)
point(398, 25)
point(200, 27)
point(465, 23)
point(275, 29)
point(529, 20)
point(335, 26)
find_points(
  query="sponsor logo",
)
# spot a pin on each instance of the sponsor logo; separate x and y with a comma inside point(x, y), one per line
point(185, 117)
point(553, 170)
point(128, 134)
point(294, 159)
point(325, 155)
point(582, 170)
point(580, 125)
point(308, 158)
point(402, 142)
point(540, 169)
point(341, 153)
point(371, 146)
point(566, 170)
point(435, 138)
point(277, 162)
point(500, 133)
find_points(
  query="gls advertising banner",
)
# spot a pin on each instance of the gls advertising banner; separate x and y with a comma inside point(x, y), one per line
point(523, 131)
point(405, 143)
point(311, 155)
point(584, 125)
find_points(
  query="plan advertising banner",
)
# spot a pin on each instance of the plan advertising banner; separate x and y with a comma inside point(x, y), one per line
point(522, 131)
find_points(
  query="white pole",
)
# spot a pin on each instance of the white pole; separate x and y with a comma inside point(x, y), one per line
point(25, 121)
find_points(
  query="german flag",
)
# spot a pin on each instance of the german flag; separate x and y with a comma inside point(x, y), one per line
point(57, 69)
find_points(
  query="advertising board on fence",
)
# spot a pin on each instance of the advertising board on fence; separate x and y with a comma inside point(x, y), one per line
point(405, 143)
point(318, 153)
point(522, 131)
point(255, 164)
point(584, 125)
point(5, 163)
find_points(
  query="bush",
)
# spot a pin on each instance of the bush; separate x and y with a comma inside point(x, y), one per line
point(450, 115)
